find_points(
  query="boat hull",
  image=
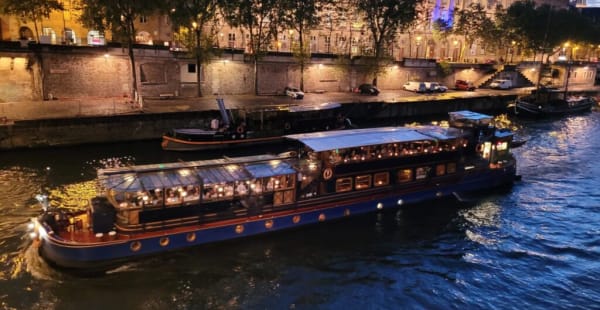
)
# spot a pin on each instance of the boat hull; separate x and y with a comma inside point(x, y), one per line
point(540, 110)
point(174, 144)
point(104, 254)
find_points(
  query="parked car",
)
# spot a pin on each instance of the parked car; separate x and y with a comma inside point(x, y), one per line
point(464, 85)
point(418, 87)
point(294, 92)
point(368, 89)
point(435, 87)
point(501, 84)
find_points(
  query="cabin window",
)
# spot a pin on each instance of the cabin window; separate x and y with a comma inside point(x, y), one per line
point(173, 196)
point(421, 173)
point(451, 168)
point(363, 181)
point(440, 169)
point(343, 185)
point(217, 191)
point(381, 179)
point(502, 146)
point(190, 194)
point(256, 186)
point(405, 175)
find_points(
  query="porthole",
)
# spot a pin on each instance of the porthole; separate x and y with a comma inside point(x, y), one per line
point(269, 224)
point(239, 229)
point(164, 241)
point(135, 246)
point(190, 237)
point(296, 219)
point(321, 217)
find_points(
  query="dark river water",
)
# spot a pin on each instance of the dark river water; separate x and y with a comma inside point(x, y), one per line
point(536, 246)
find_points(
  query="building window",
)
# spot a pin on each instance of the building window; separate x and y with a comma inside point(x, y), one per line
point(363, 181)
point(191, 68)
point(343, 185)
point(405, 175)
point(381, 179)
point(143, 19)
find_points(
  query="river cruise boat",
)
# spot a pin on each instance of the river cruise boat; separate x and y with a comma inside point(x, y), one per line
point(268, 124)
point(149, 209)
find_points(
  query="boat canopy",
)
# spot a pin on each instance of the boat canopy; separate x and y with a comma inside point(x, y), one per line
point(468, 115)
point(331, 140)
point(147, 177)
point(314, 107)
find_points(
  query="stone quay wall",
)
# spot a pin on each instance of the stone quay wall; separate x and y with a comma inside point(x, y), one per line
point(148, 126)
point(46, 72)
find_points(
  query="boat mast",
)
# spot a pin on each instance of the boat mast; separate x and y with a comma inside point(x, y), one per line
point(537, 86)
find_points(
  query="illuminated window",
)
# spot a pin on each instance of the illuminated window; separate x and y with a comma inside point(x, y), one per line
point(405, 175)
point(363, 181)
point(381, 179)
point(343, 185)
point(440, 169)
point(421, 173)
point(502, 146)
point(451, 168)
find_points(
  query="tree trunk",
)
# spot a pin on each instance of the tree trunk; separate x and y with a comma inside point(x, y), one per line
point(255, 75)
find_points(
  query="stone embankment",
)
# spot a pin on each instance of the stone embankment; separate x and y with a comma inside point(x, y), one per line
point(74, 122)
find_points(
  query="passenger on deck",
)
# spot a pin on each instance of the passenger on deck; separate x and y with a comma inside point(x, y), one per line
point(241, 189)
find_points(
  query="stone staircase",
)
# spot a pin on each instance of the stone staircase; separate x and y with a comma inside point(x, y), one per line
point(509, 72)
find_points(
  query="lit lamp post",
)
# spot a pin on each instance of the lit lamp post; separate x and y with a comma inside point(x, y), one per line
point(455, 53)
point(418, 43)
point(291, 32)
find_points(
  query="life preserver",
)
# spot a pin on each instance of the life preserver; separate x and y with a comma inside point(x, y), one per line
point(240, 129)
point(327, 173)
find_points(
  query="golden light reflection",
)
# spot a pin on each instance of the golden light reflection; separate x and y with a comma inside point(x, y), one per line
point(73, 196)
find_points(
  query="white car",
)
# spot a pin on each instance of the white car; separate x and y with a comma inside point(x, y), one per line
point(294, 92)
point(501, 84)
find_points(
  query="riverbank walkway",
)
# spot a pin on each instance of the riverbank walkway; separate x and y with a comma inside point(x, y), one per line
point(90, 107)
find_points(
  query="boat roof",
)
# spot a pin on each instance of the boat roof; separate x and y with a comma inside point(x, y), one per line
point(468, 115)
point(147, 177)
point(339, 139)
point(314, 107)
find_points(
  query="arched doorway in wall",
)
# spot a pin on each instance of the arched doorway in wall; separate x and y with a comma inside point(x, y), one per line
point(25, 33)
point(143, 37)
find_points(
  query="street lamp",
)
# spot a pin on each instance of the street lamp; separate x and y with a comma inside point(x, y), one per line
point(291, 32)
point(455, 54)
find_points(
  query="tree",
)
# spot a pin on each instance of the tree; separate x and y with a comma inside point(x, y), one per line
point(260, 19)
point(31, 10)
point(118, 16)
point(470, 23)
point(189, 19)
point(384, 18)
point(302, 16)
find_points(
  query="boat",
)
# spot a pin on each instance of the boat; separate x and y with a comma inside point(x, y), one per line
point(150, 209)
point(268, 124)
point(545, 102)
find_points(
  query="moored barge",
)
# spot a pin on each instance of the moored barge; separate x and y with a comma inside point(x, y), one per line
point(149, 209)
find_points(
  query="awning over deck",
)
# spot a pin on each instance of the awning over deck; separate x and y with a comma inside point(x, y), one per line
point(132, 181)
point(331, 140)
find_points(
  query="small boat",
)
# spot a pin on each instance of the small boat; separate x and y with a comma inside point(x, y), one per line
point(552, 102)
point(150, 209)
point(281, 120)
